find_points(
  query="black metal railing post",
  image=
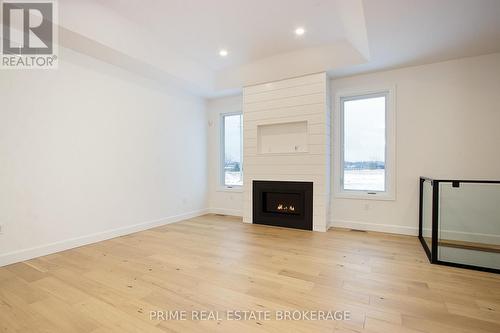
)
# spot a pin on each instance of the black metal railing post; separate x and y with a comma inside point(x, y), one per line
point(420, 209)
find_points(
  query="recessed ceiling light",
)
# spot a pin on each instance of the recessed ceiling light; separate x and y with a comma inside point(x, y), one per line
point(223, 53)
point(300, 31)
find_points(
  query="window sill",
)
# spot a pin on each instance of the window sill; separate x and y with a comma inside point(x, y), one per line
point(365, 196)
point(234, 189)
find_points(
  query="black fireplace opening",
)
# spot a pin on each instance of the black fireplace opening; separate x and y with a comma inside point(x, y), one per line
point(283, 204)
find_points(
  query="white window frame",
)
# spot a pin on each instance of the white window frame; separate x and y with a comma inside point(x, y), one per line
point(222, 178)
point(390, 148)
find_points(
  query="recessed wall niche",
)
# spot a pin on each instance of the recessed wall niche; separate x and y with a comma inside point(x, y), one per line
point(282, 138)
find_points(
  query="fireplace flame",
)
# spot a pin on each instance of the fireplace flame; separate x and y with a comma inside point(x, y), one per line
point(285, 208)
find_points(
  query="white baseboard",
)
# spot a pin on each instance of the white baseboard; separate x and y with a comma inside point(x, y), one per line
point(389, 228)
point(38, 251)
point(226, 211)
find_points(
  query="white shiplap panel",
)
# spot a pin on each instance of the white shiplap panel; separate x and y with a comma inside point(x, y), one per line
point(291, 111)
point(317, 129)
point(284, 84)
point(249, 143)
point(317, 88)
point(251, 150)
point(312, 129)
point(317, 139)
point(297, 99)
point(285, 102)
point(313, 139)
point(315, 118)
point(320, 179)
point(292, 159)
point(286, 169)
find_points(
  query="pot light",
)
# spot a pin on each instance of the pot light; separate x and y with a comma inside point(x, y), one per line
point(300, 31)
point(223, 53)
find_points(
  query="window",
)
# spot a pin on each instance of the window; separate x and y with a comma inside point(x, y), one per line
point(231, 150)
point(366, 145)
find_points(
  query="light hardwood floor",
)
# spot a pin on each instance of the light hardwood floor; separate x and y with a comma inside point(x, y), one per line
point(218, 263)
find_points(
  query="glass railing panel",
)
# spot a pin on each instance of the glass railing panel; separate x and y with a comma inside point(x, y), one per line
point(469, 224)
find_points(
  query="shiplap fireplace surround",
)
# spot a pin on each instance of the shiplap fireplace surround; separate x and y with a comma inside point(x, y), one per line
point(287, 138)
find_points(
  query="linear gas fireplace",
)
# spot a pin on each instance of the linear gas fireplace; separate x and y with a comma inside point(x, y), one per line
point(283, 204)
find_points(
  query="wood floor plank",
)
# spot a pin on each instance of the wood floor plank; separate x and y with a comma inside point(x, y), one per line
point(218, 263)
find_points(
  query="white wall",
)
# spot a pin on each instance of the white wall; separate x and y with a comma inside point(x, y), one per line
point(90, 151)
point(447, 118)
point(221, 201)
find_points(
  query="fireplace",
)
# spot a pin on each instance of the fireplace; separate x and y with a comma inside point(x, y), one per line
point(283, 204)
